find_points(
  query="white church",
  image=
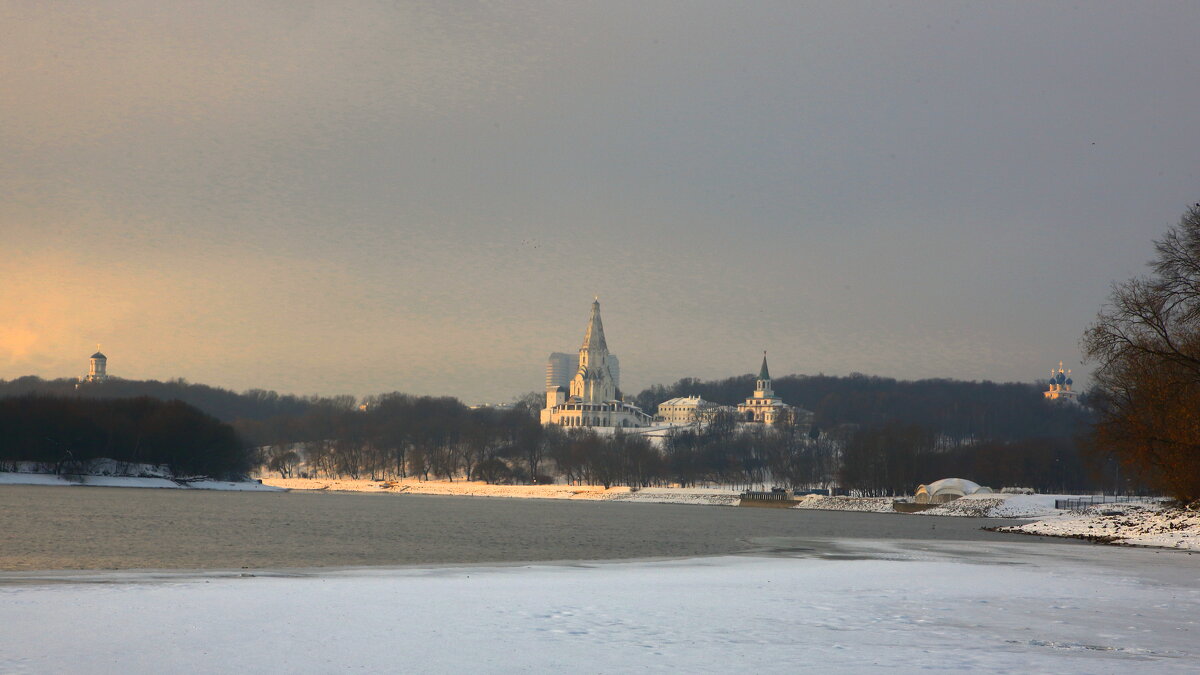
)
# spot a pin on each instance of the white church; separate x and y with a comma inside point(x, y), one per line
point(584, 391)
point(592, 397)
point(1060, 386)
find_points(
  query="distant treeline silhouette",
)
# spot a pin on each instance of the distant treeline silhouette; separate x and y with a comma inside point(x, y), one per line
point(875, 435)
point(65, 433)
point(960, 412)
point(401, 436)
point(223, 404)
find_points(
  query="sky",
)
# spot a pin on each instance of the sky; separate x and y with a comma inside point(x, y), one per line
point(425, 197)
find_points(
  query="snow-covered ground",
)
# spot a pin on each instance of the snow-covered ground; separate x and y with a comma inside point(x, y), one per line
point(898, 610)
point(871, 504)
point(1129, 524)
point(107, 473)
point(714, 496)
point(7, 478)
point(974, 506)
point(999, 506)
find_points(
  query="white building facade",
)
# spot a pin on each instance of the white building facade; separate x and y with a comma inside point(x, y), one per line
point(592, 398)
point(684, 410)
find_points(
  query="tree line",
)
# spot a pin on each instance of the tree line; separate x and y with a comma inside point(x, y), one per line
point(960, 412)
point(224, 404)
point(396, 436)
point(893, 458)
point(871, 434)
point(399, 436)
point(65, 434)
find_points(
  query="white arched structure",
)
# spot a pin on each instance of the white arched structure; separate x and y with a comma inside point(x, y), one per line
point(948, 489)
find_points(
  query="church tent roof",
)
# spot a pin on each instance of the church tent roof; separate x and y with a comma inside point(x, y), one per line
point(594, 337)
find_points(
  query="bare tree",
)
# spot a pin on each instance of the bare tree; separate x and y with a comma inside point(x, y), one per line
point(1146, 343)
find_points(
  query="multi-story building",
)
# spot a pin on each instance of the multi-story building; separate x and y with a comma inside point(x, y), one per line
point(684, 410)
point(560, 368)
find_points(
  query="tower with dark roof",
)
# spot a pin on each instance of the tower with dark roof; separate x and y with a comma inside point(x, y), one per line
point(765, 407)
point(763, 384)
point(98, 369)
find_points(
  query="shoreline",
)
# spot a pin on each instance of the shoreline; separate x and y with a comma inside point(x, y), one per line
point(1140, 525)
point(140, 482)
point(463, 488)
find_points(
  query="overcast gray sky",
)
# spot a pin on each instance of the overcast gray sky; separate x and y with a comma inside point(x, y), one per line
point(425, 197)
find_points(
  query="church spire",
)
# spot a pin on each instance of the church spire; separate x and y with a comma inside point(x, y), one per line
point(763, 373)
point(594, 337)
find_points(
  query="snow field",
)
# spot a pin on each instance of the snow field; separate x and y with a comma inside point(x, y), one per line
point(730, 614)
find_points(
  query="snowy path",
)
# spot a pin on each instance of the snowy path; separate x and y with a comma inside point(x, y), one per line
point(899, 608)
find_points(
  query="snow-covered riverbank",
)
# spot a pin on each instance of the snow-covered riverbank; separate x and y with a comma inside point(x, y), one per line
point(1127, 524)
point(8, 478)
point(1147, 526)
point(462, 488)
point(108, 473)
point(883, 608)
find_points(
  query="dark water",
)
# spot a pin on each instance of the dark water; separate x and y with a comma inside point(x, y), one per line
point(57, 528)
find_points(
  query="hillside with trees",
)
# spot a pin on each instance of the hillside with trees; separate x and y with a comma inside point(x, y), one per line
point(881, 436)
point(874, 435)
point(959, 412)
point(225, 405)
point(65, 434)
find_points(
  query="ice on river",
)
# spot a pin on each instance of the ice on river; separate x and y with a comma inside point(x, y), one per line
point(898, 611)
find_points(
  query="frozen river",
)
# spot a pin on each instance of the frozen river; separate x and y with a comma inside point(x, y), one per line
point(50, 528)
point(843, 592)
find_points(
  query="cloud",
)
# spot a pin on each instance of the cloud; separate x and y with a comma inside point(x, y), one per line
point(425, 196)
